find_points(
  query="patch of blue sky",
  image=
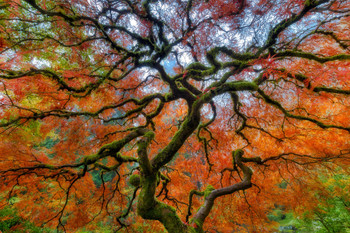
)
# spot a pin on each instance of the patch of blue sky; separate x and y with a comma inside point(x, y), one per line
point(169, 65)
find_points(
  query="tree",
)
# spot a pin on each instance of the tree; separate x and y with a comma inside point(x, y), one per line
point(202, 115)
point(333, 215)
point(330, 215)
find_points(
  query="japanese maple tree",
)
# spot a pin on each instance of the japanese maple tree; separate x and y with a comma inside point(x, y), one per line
point(202, 115)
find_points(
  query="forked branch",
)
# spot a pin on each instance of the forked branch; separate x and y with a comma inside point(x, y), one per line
point(246, 183)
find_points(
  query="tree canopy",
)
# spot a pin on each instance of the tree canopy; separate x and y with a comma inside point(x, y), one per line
point(182, 115)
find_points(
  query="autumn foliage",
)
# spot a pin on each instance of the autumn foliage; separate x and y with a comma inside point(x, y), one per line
point(188, 116)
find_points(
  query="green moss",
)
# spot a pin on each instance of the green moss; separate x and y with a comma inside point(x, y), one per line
point(135, 180)
point(208, 190)
point(50, 166)
point(169, 152)
point(237, 86)
point(150, 135)
point(150, 208)
point(167, 97)
point(142, 144)
point(199, 228)
point(122, 158)
point(91, 158)
point(307, 3)
point(197, 66)
point(238, 152)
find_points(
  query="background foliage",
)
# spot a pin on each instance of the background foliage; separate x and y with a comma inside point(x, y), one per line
point(174, 115)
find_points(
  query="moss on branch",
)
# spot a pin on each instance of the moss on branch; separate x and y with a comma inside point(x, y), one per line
point(149, 207)
point(135, 180)
point(311, 56)
point(211, 194)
